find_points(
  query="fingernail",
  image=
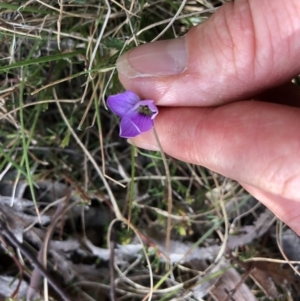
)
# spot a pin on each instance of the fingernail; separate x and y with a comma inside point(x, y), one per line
point(143, 145)
point(160, 58)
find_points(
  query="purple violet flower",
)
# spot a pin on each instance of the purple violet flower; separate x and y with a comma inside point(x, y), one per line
point(136, 115)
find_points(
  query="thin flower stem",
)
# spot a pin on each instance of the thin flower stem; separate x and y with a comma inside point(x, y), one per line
point(169, 193)
point(112, 243)
point(131, 187)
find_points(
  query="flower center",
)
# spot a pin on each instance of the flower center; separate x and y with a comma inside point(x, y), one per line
point(145, 110)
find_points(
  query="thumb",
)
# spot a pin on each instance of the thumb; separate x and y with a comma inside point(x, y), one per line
point(246, 47)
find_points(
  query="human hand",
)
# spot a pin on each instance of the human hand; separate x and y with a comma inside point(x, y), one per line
point(225, 98)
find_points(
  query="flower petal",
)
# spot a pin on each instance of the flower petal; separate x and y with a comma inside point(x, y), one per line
point(135, 124)
point(127, 128)
point(142, 122)
point(121, 103)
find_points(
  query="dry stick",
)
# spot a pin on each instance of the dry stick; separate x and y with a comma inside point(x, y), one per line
point(93, 55)
point(248, 269)
point(38, 103)
point(12, 239)
point(103, 27)
point(57, 216)
point(226, 222)
point(255, 259)
point(34, 280)
point(109, 80)
point(130, 25)
point(60, 211)
point(36, 275)
point(101, 142)
point(18, 264)
point(169, 187)
point(120, 272)
point(92, 160)
point(166, 21)
point(279, 241)
point(61, 10)
point(172, 21)
point(88, 106)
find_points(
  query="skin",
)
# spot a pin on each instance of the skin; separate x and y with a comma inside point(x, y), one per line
point(234, 109)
